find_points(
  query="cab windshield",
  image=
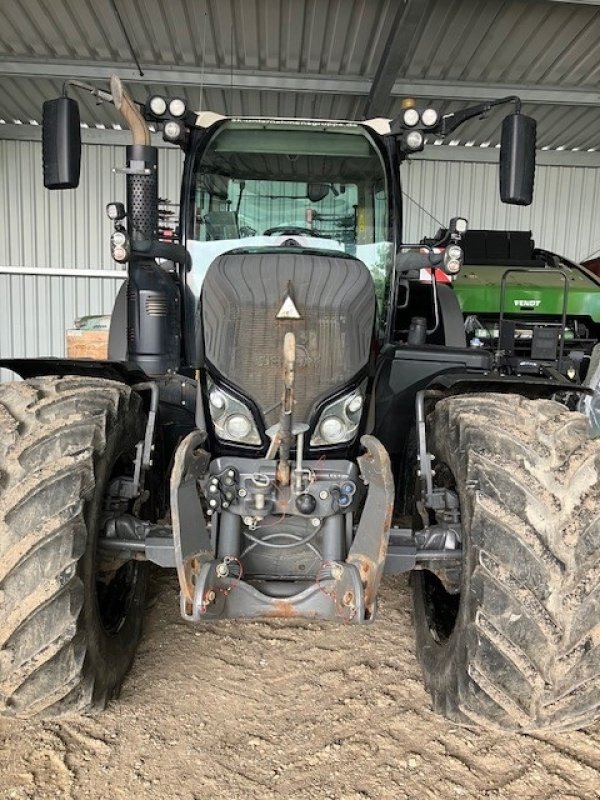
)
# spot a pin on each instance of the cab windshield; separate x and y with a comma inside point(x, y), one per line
point(321, 186)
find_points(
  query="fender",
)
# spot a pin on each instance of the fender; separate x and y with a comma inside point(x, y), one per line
point(531, 386)
point(92, 368)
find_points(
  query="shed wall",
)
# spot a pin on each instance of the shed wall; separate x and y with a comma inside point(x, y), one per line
point(69, 229)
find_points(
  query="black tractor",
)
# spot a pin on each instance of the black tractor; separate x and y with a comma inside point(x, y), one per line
point(288, 412)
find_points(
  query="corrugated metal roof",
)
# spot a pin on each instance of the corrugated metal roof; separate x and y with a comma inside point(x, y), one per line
point(323, 36)
point(549, 51)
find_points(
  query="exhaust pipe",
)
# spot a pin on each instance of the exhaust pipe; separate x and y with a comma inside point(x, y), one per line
point(153, 301)
point(141, 168)
point(129, 111)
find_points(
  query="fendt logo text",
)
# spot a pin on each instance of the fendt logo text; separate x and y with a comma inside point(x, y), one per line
point(527, 303)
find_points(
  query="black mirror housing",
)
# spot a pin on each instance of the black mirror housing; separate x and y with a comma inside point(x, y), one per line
point(517, 159)
point(61, 143)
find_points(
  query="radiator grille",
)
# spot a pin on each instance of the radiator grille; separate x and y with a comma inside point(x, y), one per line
point(241, 297)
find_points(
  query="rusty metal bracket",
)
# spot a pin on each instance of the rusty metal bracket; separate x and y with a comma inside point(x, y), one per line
point(190, 532)
point(337, 595)
point(370, 545)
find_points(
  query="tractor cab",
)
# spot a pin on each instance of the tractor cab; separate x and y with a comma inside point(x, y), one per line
point(256, 184)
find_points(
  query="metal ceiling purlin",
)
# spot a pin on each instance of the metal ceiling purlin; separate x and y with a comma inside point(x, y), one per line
point(317, 82)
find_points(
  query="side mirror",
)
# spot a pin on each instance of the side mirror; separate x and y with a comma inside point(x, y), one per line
point(517, 159)
point(61, 143)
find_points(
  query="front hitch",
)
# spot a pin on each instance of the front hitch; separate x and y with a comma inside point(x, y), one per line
point(346, 591)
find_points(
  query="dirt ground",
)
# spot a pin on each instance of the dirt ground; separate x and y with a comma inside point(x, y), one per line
point(266, 710)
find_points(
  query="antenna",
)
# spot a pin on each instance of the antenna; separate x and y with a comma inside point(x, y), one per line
point(203, 62)
point(126, 35)
point(231, 59)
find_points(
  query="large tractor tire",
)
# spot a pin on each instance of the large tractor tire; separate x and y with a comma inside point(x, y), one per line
point(68, 631)
point(519, 647)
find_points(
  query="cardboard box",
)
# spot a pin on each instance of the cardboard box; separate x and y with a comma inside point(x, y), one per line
point(87, 344)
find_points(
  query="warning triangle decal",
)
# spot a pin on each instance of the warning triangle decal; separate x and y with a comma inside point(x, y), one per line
point(288, 309)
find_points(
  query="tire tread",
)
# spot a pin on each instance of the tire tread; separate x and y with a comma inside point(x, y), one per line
point(52, 432)
point(529, 478)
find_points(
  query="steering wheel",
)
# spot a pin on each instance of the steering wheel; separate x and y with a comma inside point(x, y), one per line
point(289, 230)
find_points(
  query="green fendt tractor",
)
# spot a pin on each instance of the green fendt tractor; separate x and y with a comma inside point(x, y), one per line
point(289, 411)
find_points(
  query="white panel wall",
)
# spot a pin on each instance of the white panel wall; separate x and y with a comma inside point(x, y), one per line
point(59, 229)
point(70, 229)
point(564, 216)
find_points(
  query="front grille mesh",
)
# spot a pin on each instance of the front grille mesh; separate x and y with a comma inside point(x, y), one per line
point(241, 297)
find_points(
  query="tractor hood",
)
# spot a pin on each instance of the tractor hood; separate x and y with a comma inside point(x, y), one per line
point(531, 293)
point(252, 298)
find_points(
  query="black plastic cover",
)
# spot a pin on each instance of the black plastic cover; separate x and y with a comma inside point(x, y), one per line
point(507, 248)
point(153, 318)
point(403, 371)
point(61, 143)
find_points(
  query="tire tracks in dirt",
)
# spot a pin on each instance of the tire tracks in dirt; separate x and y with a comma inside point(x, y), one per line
point(264, 710)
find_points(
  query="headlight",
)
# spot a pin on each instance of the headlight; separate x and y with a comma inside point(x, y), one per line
point(454, 252)
point(158, 105)
point(172, 130)
point(115, 211)
point(217, 399)
point(453, 259)
point(410, 117)
point(339, 420)
point(177, 107)
point(429, 117)
point(331, 429)
point(231, 417)
point(238, 426)
point(414, 140)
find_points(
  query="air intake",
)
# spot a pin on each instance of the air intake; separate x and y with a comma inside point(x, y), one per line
point(156, 306)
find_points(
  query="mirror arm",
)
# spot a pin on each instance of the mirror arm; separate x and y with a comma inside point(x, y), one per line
point(452, 121)
point(99, 93)
point(103, 96)
point(123, 102)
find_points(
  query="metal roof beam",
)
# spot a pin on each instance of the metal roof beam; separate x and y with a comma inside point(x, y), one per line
point(187, 76)
point(529, 93)
point(33, 133)
point(490, 155)
point(301, 83)
point(402, 33)
point(482, 155)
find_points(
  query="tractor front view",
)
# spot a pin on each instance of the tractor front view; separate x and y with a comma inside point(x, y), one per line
point(288, 411)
